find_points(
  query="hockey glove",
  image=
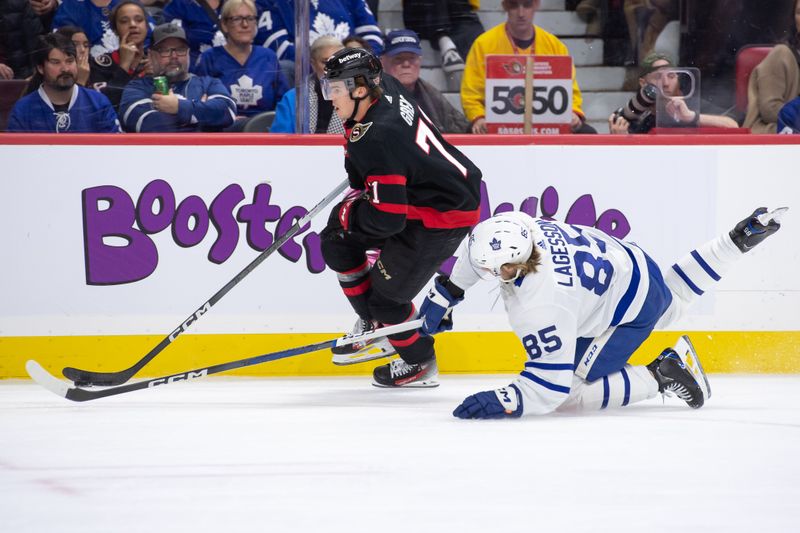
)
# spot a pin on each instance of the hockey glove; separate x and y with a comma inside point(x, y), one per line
point(500, 403)
point(347, 207)
point(751, 231)
point(437, 308)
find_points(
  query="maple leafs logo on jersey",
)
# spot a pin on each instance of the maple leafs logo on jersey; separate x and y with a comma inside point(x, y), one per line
point(495, 244)
point(358, 131)
point(325, 25)
point(245, 93)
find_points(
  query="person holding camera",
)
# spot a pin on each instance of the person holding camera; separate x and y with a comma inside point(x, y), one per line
point(639, 114)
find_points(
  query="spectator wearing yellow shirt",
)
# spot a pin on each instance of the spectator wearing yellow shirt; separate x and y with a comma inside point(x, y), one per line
point(518, 35)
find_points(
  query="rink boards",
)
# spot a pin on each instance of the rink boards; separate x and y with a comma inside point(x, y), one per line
point(111, 243)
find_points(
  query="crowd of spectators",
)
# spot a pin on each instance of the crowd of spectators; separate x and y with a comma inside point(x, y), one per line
point(91, 65)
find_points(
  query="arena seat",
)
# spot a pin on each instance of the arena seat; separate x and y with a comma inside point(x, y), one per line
point(747, 59)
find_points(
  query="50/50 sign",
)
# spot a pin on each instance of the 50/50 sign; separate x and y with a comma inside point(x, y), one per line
point(554, 101)
point(551, 94)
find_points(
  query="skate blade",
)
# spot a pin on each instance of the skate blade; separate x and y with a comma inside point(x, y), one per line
point(688, 355)
point(424, 384)
point(370, 353)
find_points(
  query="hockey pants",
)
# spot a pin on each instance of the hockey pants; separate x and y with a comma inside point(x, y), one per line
point(384, 291)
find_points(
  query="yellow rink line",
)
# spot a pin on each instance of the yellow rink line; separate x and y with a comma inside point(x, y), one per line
point(467, 353)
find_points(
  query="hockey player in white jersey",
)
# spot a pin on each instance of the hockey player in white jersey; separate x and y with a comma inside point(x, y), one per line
point(582, 302)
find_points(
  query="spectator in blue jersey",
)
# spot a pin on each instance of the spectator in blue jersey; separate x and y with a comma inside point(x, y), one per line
point(61, 105)
point(194, 103)
point(789, 117)
point(94, 17)
point(321, 118)
point(339, 18)
point(251, 73)
point(111, 73)
point(200, 21)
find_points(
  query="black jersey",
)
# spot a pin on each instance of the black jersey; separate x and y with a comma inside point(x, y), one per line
point(408, 170)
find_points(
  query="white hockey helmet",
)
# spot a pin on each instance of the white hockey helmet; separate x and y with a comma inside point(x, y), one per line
point(497, 241)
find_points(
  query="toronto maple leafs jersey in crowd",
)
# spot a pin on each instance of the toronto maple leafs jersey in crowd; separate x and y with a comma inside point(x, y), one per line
point(204, 104)
point(587, 283)
point(789, 117)
point(94, 21)
point(340, 18)
point(202, 32)
point(256, 86)
point(88, 111)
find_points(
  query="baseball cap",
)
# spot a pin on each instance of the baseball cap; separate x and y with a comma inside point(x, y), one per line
point(166, 31)
point(399, 41)
point(647, 63)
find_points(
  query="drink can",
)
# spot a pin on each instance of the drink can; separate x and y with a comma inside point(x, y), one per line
point(161, 84)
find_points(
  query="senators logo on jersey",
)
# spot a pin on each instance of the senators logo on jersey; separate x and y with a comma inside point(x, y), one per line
point(358, 131)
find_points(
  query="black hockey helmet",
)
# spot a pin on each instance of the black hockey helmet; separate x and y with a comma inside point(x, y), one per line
point(350, 63)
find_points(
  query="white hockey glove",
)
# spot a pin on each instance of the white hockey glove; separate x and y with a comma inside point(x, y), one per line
point(438, 307)
point(500, 403)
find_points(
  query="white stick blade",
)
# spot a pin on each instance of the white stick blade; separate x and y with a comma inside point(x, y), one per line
point(46, 379)
point(775, 214)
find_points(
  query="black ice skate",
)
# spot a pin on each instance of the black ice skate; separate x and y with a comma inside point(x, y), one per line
point(678, 371)
point(360, 352)
point(398, 373)
point(761, 224)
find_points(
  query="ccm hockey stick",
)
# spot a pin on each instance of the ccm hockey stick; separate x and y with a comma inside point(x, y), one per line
point(78, 394)
point(87, 377)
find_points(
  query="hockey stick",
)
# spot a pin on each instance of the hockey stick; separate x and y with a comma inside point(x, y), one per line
point(77, 394)
point(87, 377)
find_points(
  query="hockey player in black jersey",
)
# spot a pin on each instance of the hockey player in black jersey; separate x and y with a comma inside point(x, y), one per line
point(415, 197)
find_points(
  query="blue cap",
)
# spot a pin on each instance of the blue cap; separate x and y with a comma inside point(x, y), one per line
point(399, 41)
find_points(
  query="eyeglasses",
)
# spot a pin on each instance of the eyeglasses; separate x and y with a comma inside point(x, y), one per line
point(239, 20)
point(166, 52)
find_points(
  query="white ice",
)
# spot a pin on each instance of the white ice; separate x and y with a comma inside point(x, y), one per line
point(338, 455)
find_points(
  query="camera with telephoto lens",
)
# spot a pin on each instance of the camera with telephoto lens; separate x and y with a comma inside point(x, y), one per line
point(641, 102)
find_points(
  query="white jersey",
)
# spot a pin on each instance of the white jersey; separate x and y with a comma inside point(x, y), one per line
point(587, 283)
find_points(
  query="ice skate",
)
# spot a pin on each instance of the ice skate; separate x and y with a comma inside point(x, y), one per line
point(363, 351)
point(398, 373)
point(678, 371)
point(748, 233)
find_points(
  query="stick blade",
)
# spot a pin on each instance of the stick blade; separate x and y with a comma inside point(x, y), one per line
point(100, 379)
point(46, 379)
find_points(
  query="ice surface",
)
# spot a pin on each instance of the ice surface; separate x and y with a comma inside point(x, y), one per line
point(337, 455)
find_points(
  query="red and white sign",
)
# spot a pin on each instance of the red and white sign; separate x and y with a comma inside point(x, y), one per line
point(551, 95)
